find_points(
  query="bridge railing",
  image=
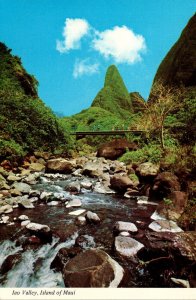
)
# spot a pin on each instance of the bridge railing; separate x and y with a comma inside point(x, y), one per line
point(81, 134)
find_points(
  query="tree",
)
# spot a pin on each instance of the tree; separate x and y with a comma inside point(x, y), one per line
point(164, 101)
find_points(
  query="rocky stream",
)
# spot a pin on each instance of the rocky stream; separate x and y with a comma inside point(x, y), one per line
point(88, 223)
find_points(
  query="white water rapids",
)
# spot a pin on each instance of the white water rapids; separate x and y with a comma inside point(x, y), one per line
point(23, 274)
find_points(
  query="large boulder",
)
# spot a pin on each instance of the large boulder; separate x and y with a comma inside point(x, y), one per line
point(164, 184)
point(147, 169)
point(182, 243)
point(92, 268)
point(174, 209)
point(171, 254)
point(60, 165)
point(121, 182)
point(116, 148)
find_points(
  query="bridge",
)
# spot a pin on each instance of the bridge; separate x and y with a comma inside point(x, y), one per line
point(82, 134)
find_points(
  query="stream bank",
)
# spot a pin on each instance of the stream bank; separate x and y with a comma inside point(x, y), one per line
point(59, 208)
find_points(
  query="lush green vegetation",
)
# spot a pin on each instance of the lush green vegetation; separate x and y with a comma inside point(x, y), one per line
point(151, 152)
point(95, 119)
point(111, 110)
point(114, 96)
point(26, 124)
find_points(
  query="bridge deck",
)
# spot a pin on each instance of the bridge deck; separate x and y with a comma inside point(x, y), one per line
point(80, 134)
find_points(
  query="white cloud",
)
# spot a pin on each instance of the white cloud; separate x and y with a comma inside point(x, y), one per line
point(73, 31)
point(120, 43)
point(84, 67)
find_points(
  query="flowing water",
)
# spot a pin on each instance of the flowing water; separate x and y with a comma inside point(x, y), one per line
point(31, 267)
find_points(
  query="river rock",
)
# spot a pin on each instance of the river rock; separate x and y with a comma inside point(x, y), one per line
point(3, 183)
point(6, 209)
point(102, 189)
point(25, 203)
point(53, 203)
point(77, 173)
point(42, 231)
point(92, 217)
point(147, 169)
point(4, 220)
point(73, 187)
point(93, 169)
point(80, 161)
point(13, 177)
point(116, 148)
point(125, 226)
point(181, 282)
point(25, 223)
point(9, 262)
point(174, 210)
point(121, 182)
point(46, 195)
point(3, 172)
point(182, 242)
point(33, 199)
point(92, 268)
point(25, 172)
point(164, 226)
point(124, 233)
point(131, 193)
point(60, 165)
point(23, 218)
point(31, 178)
point(81, 220)
point(74, 203)
point(38, 227)
point(86, 184)
point(127, 246)
point(15, 192)
point(119, 167)
point(77, 212)
point(5, 193)
point(164, 184)
point(22, 187)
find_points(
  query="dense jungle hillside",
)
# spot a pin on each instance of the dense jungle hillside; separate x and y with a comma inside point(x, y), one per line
point(26, 124)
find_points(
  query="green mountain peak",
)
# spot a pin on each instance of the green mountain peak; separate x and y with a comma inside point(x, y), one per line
point(115, 81)
point(114, 96)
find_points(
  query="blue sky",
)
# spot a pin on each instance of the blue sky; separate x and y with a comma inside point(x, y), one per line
point(68, 45)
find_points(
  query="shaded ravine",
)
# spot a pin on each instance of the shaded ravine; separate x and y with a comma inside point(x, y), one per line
point(32, 266)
